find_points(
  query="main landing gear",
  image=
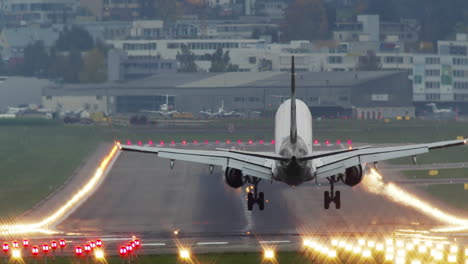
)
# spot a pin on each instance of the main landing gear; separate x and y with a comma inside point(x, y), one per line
point(332, 196)
point(255, 197)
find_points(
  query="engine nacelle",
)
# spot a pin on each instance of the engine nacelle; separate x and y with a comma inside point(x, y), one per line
point(234, 178)
point(353, 176)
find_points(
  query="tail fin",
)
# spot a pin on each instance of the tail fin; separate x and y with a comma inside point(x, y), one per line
point(293, 132)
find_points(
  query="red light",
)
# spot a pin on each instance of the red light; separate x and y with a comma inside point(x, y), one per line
point(15, 244)
point(140, 143)
point(87, 248)
point(195, 142)
point(6, 247)
point(316, 141)
point(150, 142)
point(350, 142)
point(78, 251)
point(133, 244)
point(62, 243)
point(45, 248)
point(206, 142)
point(184, 142)
point(98, 243)
point(239, 141)
point(338, 142)
point(35, 250)
point(123, 251)
point(25, 243)
point(129, 142)
point(217, 141)
point(273, 142)
point(129, 248)
point(250, 142)
point(92, 244)
point(228, 141)
point(327, 142)
point(137, 242)
point(172, 142)
point(53, 245)
point(161, 143)
point(261, 141)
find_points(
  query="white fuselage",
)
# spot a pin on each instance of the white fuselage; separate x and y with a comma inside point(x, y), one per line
point(293, 172)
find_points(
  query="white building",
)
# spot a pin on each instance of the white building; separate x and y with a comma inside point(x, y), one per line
point(38, 11)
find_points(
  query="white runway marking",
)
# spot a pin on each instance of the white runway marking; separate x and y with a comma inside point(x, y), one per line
point(154, 244)
point(211, 243)
point(275, 242)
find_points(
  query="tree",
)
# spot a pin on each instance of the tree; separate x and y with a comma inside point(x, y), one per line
point(36, 60)
point(94, 67)
point(75, 38)
point(386, 9)
point(73, 67)
point(369, 62)
point(220, 62)
point(167, 10)
point(186, 60)
point(305, 20)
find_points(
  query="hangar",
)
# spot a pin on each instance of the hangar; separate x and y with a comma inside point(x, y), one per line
point(362, 95)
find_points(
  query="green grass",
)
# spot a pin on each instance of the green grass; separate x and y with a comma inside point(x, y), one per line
point(453, 194)
point(443, 173)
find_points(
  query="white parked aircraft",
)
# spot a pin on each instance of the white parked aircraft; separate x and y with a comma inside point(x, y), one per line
point(163, 109)
point(221, 112)
point(293, 162)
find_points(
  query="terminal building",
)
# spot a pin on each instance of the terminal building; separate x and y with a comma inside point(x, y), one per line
point(361, 95)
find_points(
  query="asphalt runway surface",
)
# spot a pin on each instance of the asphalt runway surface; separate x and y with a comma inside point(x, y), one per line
point(141, 195)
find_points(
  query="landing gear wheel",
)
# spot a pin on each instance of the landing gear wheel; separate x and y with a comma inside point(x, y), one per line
point(326, 200)
point(337, 200)
point(261, 201)
point(250, 201)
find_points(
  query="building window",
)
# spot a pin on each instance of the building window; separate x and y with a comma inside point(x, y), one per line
point(460, 61)
point(432, 85)
point(432, 72)
point(335, 59)
point(432, 60)
point(460, 85)
point(252, 60)
point(432, 97)
point(99, 97)
point(49, 97)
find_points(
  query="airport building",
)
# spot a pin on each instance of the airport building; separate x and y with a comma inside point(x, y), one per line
point(363, 95)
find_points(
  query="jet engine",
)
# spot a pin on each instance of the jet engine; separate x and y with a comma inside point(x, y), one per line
point(353, 176)
point(234, 178)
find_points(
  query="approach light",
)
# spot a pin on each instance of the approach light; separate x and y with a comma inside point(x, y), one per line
point(416, 261)
point(379, 247)
point(150, 142)
point(261, 141)
point(99, 254)
point(45, 248)
point(53, 245)
point(316, 141)
point(98, 243)
point(366, 253)
point(327, 142)
point(161, 143)
point(269, 254)
point(137, 243)
point(123, 251)
point(217, 142)
point(338, 142)
point(195, 142)
point(15, 244)
point(78, 251)
point(422, 249)
point(184, 254)
point(92, 244)
point(452, 258)
point(133, 244)
point(62, 243)
point(331, 254)
point(6, 247)
point(35, 251)
point(129, 248)
point(25, 243)
point(453, 249)
point(239, 141)
point(272, 142)
point(87, 248)
point(140, 143)
point(184, 142)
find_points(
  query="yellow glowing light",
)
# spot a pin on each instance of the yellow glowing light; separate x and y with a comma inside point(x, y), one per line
point(42, 226)
point(371, 244)
point(269, 254)
point(342, 244)
point(379, 247)
point(390, 249)
point(176, 232)
point(400, 244)
point(184, 253)
point(400, 260)
point(307, 243)
point(362, 242)
point(334, 242)
point(428, 243)
point(453, 249)
point(16, 253)
point(374, 183)
point(366, 253)
point(440, 246)
point(416, 261)
point(348, 247)
point(466, 252)
point(332, 254)
point(452, 259)
point(99, 254)
point(409, 247)
point(438, 255)
point(389, 257)
point(401, 253)
point(422, 249)
point(357, 250)
point(389, 242)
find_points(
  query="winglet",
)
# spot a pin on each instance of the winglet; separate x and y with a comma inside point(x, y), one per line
point(293, 131)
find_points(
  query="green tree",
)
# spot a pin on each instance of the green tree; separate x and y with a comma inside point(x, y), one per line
point(186, 60)
point(94, 67)
point(386, 9)
point(221, 62)
point(305, 20)
point(73, 67)
point(369, 62)
point(74, 38)
point(168, 10)
point(36, 60)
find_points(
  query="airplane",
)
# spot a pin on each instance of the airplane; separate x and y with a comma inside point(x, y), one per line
point(294, 162)
point(435, 110)
point(441, 114)
point(221, 112)
point(163, 109)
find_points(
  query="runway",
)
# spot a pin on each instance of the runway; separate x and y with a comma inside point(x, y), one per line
point(141, 195)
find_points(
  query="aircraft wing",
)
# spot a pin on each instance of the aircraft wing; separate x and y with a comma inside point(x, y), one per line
point(331, 165)
point(260, 167)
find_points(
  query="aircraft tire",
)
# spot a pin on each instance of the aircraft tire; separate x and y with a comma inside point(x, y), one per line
point(261, 201)
point(326, 200)
point(250, 201)
point(338, 200)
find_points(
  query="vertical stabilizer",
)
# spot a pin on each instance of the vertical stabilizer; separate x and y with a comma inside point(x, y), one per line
point(293, 132)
